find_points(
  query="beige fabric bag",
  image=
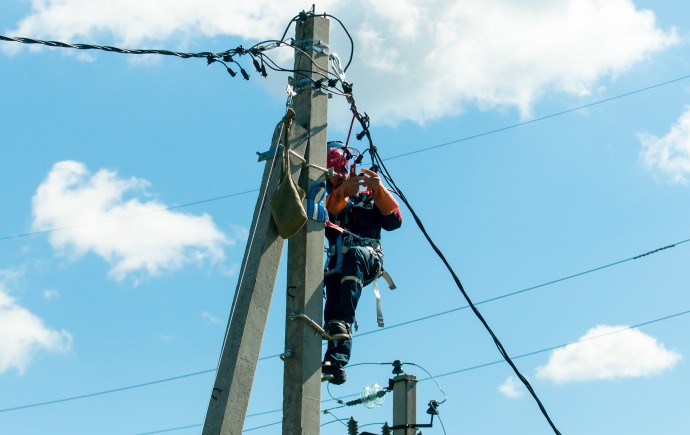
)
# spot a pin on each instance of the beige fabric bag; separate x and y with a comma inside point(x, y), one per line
point(286, 203)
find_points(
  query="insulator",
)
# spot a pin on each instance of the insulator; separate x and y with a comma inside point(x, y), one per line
point(352, 427)
point(386, 430)
point(372, 396)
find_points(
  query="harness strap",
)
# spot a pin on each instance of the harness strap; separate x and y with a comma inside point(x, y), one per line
point(338, 228)
point(340, 248)
point(379, 309)
point(352, 278)
point(385, 275)
point(348, 233)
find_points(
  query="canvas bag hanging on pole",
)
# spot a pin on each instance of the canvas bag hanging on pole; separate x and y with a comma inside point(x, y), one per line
point(286, 203)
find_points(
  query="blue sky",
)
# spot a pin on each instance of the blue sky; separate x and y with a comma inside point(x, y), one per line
point(130, 184)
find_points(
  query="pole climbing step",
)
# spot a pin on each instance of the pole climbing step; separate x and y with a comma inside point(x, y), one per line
point(319, 330)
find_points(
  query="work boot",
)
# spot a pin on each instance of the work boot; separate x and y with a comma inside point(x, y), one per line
point(338, 330)
point(332, 373)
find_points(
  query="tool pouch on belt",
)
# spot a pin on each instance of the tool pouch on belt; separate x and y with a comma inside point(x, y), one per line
point(286, 203)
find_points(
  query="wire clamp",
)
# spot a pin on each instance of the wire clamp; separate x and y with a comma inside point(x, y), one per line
point(290, 91)
point(335, 63)
point(308, 83)
point(312, 44)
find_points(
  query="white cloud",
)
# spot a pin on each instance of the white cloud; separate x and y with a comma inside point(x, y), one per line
point(152, 241)
point(669, 155)
point(133, 22)
point(23, 335)
point(498, 53)
point(511, 388)
point(50, 294)
point(212, 319)
point(11, 277)
point(414, 61)
point(607, 353)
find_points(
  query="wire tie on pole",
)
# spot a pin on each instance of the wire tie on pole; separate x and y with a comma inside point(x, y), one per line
point(289, 353)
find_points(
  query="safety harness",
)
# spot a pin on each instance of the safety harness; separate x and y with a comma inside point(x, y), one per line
point(347, 239)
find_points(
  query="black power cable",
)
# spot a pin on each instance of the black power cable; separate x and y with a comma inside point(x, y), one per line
point(305, 15)
point(352, 43)
point(378, 162)
point(204, 54)
point(224, 58)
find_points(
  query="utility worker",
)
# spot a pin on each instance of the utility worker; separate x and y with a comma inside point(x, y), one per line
point(355, 255)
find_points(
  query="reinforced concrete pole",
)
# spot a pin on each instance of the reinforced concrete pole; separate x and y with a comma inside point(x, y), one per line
point(227, 407)
point(404, 403)
point(302, 374)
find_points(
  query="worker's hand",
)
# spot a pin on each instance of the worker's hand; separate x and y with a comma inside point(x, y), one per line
point(351, 185)
point(382, 197)
point(371, 180)
point(346, 187)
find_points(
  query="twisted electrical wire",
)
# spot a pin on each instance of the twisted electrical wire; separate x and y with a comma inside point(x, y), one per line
point(111, 49)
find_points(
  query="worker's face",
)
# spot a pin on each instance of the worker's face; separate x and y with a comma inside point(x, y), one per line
point(339, 176)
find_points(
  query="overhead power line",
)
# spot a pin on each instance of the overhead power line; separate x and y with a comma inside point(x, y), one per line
point(257, 53)
point(172, 429)
point(524, 355)
point(101, 393)
point(341, 399)
point(548, 349)
point(32, 41)
point(380, 167)
point(385, 174)
point(160, 210)
point(421, 150)
point(224, 57)
point(117, 390)
point(506, 295)
point(454, 372)
point(275, 423)
point(541, 118)
point(528, 289)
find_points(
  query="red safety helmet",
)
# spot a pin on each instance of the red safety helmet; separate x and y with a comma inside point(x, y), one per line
point(335, 158)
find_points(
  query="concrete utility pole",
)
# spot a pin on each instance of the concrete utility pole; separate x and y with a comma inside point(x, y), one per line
point(302, 387)
point(404, 403)
point(302, 376)
point(230, 397)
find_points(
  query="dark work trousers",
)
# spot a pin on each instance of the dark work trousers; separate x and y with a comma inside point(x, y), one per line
point(359, 267)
